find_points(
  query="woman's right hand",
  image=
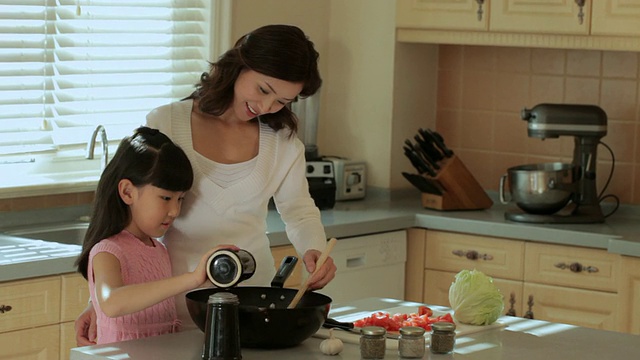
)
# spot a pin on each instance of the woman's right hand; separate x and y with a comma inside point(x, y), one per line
point(85, 326)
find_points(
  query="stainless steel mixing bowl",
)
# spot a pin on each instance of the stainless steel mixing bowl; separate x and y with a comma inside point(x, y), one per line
point(543, 188)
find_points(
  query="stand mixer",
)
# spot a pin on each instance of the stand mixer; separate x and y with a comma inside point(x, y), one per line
point(587, 124)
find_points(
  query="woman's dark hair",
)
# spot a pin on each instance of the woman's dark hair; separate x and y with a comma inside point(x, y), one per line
point(280, 51)
point(148, 157)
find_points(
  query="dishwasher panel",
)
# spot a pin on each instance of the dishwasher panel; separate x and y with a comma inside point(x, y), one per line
point(368, 266)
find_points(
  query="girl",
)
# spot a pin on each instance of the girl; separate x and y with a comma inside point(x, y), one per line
point(138, 197)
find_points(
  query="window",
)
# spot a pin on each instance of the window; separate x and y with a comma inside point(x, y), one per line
point(68, 65)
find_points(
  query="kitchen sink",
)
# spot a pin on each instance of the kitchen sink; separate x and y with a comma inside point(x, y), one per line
point(65, 233)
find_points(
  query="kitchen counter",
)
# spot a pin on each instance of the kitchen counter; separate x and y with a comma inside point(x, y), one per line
point(522, 339)
point(380, 211)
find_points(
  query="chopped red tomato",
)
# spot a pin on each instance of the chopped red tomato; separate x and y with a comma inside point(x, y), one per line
point(394, 322)
point(424, 310)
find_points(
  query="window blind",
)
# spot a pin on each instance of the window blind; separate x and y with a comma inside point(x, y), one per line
point(67, 66)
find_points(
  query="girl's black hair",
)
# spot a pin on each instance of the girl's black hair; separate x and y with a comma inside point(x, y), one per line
point(148, 157)
point(280, 51)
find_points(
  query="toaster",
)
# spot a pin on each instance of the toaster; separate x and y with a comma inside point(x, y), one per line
point(351, 178)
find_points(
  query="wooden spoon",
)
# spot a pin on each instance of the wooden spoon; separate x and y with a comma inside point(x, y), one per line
point(303, 288)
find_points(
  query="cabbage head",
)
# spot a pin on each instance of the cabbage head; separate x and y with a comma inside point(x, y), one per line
point(475, 299)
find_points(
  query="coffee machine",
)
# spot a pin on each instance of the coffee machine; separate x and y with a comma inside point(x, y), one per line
point(587, 124)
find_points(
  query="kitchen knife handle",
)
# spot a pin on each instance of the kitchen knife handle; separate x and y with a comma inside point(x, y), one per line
point(439, 140)
point(333, 323)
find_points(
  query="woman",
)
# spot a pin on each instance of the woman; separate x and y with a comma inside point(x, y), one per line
point(240, 137)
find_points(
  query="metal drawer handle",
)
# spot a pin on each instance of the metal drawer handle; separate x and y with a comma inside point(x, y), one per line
point(472, 255)
point(576, 267)
point(5, 308)
point(480, 11)
point(580, 4)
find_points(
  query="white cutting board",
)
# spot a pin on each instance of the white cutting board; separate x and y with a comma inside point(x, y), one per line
point(349, 312)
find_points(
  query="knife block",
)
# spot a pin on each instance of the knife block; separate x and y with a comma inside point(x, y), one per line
point(461, 190)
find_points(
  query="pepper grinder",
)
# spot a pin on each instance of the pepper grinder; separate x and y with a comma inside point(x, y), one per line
point(222, 330)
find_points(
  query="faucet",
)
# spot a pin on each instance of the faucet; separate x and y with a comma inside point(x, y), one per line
point(105, 145)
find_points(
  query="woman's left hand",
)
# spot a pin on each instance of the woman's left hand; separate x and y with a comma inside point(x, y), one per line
point(325, 274)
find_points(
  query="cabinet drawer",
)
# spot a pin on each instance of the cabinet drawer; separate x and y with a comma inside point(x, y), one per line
point(552, 264)
point(75, 296)
point(453, 252)
point(33, 303)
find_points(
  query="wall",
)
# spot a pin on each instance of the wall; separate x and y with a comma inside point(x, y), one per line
point(481, 91)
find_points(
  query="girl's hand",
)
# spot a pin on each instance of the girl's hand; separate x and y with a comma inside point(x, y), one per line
point(325, 274)
point(200, 273)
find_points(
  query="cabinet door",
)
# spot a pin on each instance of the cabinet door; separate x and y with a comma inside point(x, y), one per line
point(279, 253)
point(438, 14)
point(448, 251)
point(32, 344)
point(629, 295)
point(75, 295)
point(414, 267)
point(549, 17)
point(615, 17)
point(437, 284)
point(588, 308)
point(67, 339)
point(32, 303)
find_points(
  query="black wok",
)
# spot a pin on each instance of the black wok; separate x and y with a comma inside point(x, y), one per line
point(265, 321)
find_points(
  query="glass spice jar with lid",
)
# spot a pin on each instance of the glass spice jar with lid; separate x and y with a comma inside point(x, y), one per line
point(443, 337)
point(372, 342)
point(411, 343)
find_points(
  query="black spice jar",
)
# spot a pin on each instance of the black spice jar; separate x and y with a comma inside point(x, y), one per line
point(222, 331)
point(443, 337)
point(226, 268)
point(411, 344)
point(372, 342)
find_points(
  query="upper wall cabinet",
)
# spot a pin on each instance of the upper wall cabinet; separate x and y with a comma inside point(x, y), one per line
point(567, 24)
point(438, 14)
point(616, 17)
point(546, 17)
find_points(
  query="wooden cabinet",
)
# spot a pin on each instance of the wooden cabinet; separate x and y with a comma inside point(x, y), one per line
point(541, 17)
point(29, 303)
point(75, 296)
point(39, 310)
point(446, 253)
point(613, 17)
point(565, 284)
point(598, 25)
point(438, 14)
point(629, 295)
point(573, 285)
point(31, 344)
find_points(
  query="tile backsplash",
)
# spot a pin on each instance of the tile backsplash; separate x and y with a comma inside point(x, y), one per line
point(482, 89)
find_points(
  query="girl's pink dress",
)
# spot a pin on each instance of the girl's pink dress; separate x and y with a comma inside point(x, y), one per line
point(139, 263)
